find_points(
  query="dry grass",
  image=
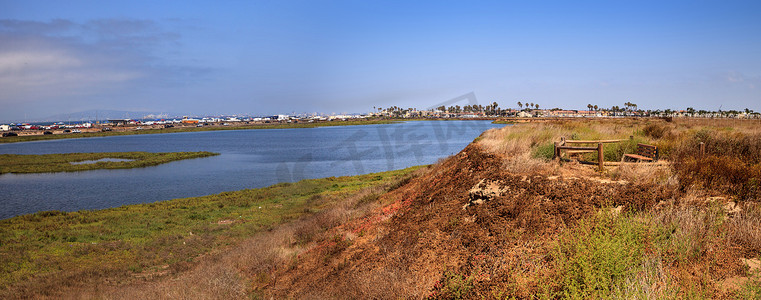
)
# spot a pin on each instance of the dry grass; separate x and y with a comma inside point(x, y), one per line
point(685, 231)
point(644, 174)
point(731, 164)
point(524, 163)
point(528, 148)
point(745, 228)
point(649, 281)
point(243, 269)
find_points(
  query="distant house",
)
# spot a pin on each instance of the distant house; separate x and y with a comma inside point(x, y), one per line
point(5, 127)
point(119, 122)
point(524, 114)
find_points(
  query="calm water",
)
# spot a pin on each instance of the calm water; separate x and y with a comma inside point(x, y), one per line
point(249, 159)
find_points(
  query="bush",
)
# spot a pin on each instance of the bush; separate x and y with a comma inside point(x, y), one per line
point(722, 173)
point(597, 256)
point(731, 164)
point(655, 130)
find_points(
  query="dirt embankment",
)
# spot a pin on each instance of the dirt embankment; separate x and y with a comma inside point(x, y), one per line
point(498, 221)
point(466, 219)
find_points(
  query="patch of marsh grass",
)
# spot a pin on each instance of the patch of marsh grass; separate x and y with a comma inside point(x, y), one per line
point(23, 163)
point(46, 250)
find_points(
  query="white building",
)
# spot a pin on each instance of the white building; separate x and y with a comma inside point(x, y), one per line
point(524, 114)
point(5, 127)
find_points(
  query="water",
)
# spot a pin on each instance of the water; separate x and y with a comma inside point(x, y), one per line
point(108, 159)
point(249, 159)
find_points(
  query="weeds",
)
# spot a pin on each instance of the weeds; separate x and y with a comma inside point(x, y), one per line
point(745, 228)
point(685, 233)
point(598, 255)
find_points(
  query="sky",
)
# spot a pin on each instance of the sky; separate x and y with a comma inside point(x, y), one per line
point(282, 57)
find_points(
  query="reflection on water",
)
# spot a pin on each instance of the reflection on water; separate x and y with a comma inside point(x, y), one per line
point(249, 159)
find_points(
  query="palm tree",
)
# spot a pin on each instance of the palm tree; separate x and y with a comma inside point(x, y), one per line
point(520, 104)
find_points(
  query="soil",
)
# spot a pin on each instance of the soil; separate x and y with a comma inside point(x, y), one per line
point(466, 216)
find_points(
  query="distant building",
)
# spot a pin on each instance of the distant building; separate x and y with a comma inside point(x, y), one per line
point(524, 114)
point(120, 122)
point(5, 127)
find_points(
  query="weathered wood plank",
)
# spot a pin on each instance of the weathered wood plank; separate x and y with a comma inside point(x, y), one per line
point(577, 148)
point(591, 141)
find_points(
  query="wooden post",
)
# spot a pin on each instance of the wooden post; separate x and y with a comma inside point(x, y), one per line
point(702, 149)
point(555, 151)
point(600, 159)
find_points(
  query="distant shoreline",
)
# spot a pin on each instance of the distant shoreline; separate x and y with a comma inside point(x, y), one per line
point(158, 129)
point(133, 130)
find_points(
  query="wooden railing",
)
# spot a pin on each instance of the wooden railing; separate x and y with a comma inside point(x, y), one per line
point(562, 145)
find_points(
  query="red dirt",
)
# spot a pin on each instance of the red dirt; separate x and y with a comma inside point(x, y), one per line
point(429, 233)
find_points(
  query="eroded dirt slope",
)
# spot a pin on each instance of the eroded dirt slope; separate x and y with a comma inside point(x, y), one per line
point(440, 226)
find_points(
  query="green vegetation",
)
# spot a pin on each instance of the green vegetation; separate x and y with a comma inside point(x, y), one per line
point(598, 255)
point(636, 255)
point(167, 236)
point(27, 138)
point(19, 163)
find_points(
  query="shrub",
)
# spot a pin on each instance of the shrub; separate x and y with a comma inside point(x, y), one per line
point(655, 130)
point(731, 164)
point(597, 256)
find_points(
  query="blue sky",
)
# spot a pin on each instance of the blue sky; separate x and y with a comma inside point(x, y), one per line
point(265, 57)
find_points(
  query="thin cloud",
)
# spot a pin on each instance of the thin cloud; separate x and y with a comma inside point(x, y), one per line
point(52, 61)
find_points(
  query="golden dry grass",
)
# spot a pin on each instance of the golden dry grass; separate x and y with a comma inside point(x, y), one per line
point(745, 227)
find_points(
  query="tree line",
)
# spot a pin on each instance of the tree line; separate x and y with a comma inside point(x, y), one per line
point(628, 108)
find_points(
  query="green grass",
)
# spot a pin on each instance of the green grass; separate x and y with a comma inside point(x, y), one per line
point(19, 163)
point(598, 255)
point(130, 239)
point(28, 138)
point(544, 151)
